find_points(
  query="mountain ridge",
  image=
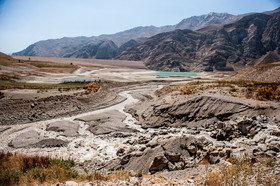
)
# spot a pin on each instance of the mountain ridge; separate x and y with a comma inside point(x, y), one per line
point(65, 46)
point(221, 47)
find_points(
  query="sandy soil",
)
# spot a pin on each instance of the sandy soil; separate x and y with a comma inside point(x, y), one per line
point(87, 62)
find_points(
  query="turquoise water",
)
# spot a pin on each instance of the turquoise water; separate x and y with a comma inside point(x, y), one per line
point(81, 79)
point(170, 74)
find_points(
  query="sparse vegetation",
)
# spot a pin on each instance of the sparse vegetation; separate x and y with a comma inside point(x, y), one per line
point(183, 146)
point(19, 169)
point(248, 89)
point(244, 171)
point(89, 87)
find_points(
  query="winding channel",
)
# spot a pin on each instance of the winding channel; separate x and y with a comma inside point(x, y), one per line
point(87, 145)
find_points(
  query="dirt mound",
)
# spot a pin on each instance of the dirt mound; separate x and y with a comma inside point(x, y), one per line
point(196, 111)
point(267, 73)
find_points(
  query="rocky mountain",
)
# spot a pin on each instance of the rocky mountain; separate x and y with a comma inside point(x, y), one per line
point(55, 47)
point(254, 38)
point(72, 47)
point(103, 49)
point(197, 22)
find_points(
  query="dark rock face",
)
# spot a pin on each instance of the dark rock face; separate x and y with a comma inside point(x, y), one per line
point(223, 47)
point(100, 50)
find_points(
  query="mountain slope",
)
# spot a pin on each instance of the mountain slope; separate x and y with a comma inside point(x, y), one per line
point(197, 22)
point(103, 49)
point(66, 46)
point(221, 47)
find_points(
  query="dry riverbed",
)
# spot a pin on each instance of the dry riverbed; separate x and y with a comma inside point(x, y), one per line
point(158, 136)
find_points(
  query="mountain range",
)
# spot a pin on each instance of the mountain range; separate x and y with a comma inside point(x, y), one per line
point(215, 41)
point(253, 39)
point(109, 46)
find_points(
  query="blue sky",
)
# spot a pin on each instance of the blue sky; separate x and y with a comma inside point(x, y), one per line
point(23, 22)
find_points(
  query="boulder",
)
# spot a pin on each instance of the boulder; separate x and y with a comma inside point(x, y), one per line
point(146, 162)
point(159, 163)
point(26, 139)
point(68, 128)
point(106, 123)
point(50, 143)
point(244, 126)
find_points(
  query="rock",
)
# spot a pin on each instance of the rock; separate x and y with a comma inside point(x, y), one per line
point(274, 145)
point(172, 157)
point(144, 162)
point(71, 183)
point(191, 112)
point(190, 181)
point(244, 126)
point(159, 163)
point(171, 167)
point(50, 143)
point(125, 159)
point(25, 139)
point(275, 133)
point(214, 153)
point(3, 129)
point(120, 151)
point(228, 151)
point(68, 128)
point(220, 125)
point(214, 159)
point(179, 165)
point(171, 153)
point(192, 149)
point(270, 153)
point(106, 123)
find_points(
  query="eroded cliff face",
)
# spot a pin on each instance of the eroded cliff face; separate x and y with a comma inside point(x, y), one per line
point(199, 111)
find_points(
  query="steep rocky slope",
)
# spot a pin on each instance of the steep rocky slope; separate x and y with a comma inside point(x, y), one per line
point(104, 49)
point(251, 39)
point(99, 50)
point(64, 47)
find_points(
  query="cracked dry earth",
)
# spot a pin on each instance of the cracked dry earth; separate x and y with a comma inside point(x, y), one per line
point(168, 141)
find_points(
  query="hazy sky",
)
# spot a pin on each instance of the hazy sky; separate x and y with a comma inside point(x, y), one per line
point(23, 22)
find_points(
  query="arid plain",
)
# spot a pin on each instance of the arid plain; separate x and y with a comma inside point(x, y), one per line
point(125, 119)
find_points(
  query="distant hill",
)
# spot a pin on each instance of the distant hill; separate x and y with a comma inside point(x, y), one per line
point(6, 59)
point(251, 39)
point(74, 47)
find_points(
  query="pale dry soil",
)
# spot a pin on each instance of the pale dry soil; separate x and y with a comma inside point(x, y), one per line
point(102, 130)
